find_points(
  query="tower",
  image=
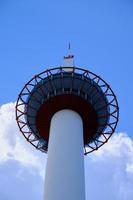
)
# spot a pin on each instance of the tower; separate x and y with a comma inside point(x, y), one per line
point(68, 112)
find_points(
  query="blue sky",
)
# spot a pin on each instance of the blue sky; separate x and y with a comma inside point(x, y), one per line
point(34, 35)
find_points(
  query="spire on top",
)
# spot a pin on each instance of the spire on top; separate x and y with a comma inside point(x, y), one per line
point(69, 55)
point(69, 59)
point(69, 47)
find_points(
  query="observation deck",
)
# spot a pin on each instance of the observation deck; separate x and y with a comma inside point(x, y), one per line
point(72, 88)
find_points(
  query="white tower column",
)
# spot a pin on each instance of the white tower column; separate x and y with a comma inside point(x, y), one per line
point(64, 178)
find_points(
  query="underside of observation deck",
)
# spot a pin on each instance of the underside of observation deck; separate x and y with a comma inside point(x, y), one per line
point(67, 88)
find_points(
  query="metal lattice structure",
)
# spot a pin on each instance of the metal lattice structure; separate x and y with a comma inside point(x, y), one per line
point(85, 86)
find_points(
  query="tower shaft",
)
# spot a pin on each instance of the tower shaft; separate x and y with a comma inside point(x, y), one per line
point(64, 178)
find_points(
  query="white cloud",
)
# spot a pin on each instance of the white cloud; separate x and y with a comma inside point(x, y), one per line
point(109, 171)
point(21, 166)
point(13, 145)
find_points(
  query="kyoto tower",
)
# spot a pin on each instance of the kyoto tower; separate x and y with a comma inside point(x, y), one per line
point(66, 112)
